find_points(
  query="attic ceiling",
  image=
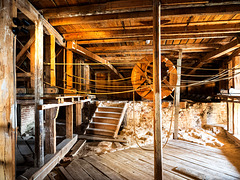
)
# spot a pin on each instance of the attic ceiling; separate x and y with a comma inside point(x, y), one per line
point(121, 31)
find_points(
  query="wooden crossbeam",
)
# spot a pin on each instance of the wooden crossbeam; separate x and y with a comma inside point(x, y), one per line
point(148, 37)
point(29, 10)
point(25, 48)
point(87, 54)
point(208, 58)
point(168, 8)
point(167, 32)
point(150, 47)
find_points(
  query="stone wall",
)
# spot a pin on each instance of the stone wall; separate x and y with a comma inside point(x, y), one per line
point(27, 118)
point(194, 115)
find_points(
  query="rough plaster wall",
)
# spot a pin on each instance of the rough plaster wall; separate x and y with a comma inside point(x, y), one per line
point(27, 118)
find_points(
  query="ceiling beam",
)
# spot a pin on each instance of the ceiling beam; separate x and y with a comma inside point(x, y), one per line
point(150, 47)
point(149, 37)
point(210, 30)
point(124, 6)
point(29, 10)
point(208, 58)
point(89, 55)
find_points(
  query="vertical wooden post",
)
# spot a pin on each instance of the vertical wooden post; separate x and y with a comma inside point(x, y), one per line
point(177, 97)
point(78, 116)
point(39, 126)
point(50, 71)
point(233, 116)
point(8, 116)
point(158, 164)
point(32, 60)
point(227, 115)
point(52, 60)
point(69, 121)
point(69, 70)
point(87, 77)
point(50, 131)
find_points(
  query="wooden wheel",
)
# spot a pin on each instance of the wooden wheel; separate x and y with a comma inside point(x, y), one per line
point(142, 77)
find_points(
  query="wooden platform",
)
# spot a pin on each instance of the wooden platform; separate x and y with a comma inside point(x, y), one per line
point(182, 160)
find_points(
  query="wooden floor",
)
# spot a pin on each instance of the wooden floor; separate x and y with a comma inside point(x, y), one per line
point(182, 160)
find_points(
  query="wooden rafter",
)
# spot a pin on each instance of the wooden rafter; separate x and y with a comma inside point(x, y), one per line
point(27, 8)
point(208, 58)
point(89, 55)
point(167, 32)
point(124, 6)
point(150, 47)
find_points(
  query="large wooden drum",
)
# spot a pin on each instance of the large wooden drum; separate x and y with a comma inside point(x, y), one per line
point(142, 77)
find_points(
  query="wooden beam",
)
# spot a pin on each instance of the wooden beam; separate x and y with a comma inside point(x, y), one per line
point(32, 60)
point(28, 9)
point(8, 90)
point(62, 149)
point(87, 54)
point(69, 67)
point(158, 152)
point(167, 32)
point(177, 96)
point(79, 107)
point(150, 47)
point(25, 48)
point(39, 124)
point(208, 58)
point(144, 15)
point(50, 131)
point(130, 6)
point(69, 121)
point(148, 37)
point(52, 61)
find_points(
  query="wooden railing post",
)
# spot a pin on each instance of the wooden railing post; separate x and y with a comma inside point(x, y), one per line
point(69, 121)
point(50, 131)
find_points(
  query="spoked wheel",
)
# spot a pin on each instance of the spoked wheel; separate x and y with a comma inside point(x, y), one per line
point(142, 77)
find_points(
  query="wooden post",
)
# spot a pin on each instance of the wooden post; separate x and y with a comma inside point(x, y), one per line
point(32, 60)
point(50, 58)
point(177, 97)
point(69, 70)
point(69, 121)
point(78, 116)
point(39, 126)
point(8, 118)
point(158, 164)
point(233, 116)
point(50, 131)
point(227, 115)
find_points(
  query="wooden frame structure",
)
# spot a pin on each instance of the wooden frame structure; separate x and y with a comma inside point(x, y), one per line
point(206, 33)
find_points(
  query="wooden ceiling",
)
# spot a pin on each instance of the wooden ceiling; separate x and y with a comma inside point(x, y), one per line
point(121, 31)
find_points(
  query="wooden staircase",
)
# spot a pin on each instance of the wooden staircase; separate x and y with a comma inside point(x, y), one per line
point(106, 121)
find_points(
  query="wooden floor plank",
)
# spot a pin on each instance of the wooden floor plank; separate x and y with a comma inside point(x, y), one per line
point(65, 173)
point(77, 172)
point(218, 163)
point(104, 169)
point(122, 169)
point(91, 170)
point(181, 160)
point(171, 159)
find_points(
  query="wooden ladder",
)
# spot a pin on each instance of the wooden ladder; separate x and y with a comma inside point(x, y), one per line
point(106, 121)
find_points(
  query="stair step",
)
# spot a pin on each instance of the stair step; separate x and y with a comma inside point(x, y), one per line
point(106, 126)
point(105, 120)
point(110, 109)
point(108, 114)
point(103, 132)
